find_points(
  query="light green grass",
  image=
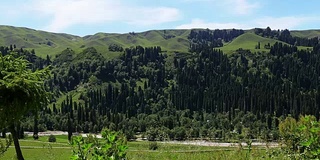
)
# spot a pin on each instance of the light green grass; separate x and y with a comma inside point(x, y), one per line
point(178, 42)
point(305, 48)
point(37, 40)
point(61, 150)
point(45, 153)
point(248, 41)
point(306, 33)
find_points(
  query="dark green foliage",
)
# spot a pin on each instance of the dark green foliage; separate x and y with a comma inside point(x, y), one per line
point(200, 39)
point(36, 127)
point(285, 36)
point(115, 48)
point(153, 146)
point(65, 56)
point(52, 138)
point(301, 138)
point(22, 90)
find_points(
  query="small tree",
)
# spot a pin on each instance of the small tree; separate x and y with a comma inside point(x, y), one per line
point(112, 146)
point(302, 138)
point(52, 138)
point(21, 90)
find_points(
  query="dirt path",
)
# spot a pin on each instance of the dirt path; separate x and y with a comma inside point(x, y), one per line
point(197, 142)
point(221, 144)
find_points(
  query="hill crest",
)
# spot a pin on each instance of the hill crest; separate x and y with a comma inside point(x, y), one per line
point(173, 40)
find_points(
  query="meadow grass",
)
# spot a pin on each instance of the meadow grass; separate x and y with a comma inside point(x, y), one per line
point(61, 150)
point(306, 33)
point(169, 40)
point(248, 41)
point(47, 43)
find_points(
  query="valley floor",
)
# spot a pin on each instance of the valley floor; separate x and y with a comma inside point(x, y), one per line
point(184, 150)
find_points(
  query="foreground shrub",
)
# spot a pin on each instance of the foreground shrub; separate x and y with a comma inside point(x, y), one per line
point(153, 145)
point(112, 146)
point(302, 138)
point(52, 138)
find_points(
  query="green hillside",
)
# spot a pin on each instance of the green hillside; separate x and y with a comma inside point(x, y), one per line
point(43, 42)
point(306, 33)
point(47, 43)
point(53, 43)
point(248, 41)
point(172, 40)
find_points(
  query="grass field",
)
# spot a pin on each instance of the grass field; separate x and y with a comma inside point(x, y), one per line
point(61, 150)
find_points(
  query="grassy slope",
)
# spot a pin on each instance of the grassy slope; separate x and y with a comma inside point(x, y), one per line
point(306, 33)
point(149, 38)
point(248, 41)
point(29, 38)
point(33, 39)
point(41, 149)
point(177, 41)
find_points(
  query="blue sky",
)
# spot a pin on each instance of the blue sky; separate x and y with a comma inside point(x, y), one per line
point(85, 17)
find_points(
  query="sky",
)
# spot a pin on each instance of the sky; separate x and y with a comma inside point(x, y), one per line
point(87, 17)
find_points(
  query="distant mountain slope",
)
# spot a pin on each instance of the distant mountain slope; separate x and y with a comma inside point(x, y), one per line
point(306, 33)
point(173, 40)
point(43, 42)
point(47, 43)
point(53, 43)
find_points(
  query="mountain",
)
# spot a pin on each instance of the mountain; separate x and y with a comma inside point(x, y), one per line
point(168, 91)
point(53, 43)
point(47, 43)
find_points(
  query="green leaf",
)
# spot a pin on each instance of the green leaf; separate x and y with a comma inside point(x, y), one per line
point(302, 127)
point(306, 143)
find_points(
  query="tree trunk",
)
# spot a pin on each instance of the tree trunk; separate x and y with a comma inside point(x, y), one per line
point(69, 129)
point(16, 142)
point(4, 133)
point(35, 127)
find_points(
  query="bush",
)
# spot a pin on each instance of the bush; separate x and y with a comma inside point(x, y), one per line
point(302, 138)
point(5, 146)
point(52, 138)
point(92, 139)
point(153, 146)
point(152, 134)
point(113, 145)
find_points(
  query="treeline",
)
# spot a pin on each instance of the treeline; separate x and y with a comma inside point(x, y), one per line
point(211, 38)
point(285, 36)
point(279, 83)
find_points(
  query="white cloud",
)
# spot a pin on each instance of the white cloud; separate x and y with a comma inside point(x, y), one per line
point(244, 6)
point(151, 16)
point(198, 23)
point(238, 7)
point(283, 22)
point(197, 0)
point(66, 13)
point(263, 22)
